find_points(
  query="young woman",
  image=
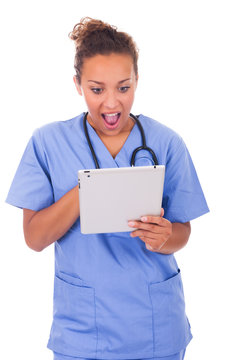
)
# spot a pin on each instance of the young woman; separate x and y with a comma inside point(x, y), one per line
point(116, 295)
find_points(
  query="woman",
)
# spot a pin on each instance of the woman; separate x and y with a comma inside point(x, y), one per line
point(116, 296)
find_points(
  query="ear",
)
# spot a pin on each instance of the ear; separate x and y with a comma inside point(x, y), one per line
point(78, 87)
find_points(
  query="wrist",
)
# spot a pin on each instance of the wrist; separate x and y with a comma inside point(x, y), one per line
point(178, 239)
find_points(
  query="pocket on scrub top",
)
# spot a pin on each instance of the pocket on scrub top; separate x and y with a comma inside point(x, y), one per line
point(73, 330)
point(171, 330)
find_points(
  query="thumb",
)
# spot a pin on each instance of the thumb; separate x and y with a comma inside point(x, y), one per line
point(162, 212)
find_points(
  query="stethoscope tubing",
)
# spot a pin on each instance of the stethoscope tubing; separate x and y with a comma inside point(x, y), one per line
point(143, 147)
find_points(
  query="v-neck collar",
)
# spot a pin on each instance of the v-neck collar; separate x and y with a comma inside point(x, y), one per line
point(123, 157)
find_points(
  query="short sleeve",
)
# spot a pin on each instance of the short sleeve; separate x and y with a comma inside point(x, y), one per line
point(31, 186)
point(183, 198)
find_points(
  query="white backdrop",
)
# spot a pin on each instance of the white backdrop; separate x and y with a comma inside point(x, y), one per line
point(189, 80)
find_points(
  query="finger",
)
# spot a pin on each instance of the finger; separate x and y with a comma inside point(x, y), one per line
point(148, 241)
point(145, 235)
point(145, 226)
point(149, 247)
point(155, 243)
point(159, 220)
point(154, 247)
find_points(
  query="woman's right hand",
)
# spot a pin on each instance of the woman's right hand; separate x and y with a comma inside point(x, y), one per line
point(43, 227)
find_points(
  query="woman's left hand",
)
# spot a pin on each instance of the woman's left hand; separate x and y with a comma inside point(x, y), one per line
point(153, 230)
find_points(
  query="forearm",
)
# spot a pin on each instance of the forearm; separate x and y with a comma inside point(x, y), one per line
point(178, 239)
point(42, 228)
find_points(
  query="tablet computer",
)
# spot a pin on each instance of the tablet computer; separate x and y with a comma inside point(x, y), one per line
point(110, 197)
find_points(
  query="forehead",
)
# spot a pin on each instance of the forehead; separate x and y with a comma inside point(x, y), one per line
point(114, 66)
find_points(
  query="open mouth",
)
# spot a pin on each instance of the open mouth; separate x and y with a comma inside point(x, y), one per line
point(111, 120)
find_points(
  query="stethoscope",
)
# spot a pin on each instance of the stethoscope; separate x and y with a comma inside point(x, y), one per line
point(143, 147)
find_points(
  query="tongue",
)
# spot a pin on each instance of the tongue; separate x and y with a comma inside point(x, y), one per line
point(111, 119)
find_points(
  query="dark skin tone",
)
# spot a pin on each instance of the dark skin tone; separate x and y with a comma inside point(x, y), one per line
point(44, 227)
point(160, 235)
point(108, 85)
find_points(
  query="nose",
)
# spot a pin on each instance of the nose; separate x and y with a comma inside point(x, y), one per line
point(111, 100)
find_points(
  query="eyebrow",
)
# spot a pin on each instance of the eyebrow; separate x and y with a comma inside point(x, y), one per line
point(101, 83)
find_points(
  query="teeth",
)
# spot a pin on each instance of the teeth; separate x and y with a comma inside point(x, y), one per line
point(111, 114)
point(111, 119)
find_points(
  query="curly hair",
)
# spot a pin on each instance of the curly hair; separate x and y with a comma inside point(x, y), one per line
point(93, 37)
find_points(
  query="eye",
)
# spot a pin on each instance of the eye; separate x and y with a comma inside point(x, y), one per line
point(124, 89)
point(97, 91)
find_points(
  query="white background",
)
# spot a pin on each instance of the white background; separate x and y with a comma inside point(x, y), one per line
point(190, 81)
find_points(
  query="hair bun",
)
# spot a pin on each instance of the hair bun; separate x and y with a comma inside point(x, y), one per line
point(94, 37)
point(86, 27)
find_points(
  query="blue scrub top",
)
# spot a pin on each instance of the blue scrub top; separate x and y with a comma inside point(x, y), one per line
point(113, 298)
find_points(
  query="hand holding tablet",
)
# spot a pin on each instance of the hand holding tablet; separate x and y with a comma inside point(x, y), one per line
point(110, 197)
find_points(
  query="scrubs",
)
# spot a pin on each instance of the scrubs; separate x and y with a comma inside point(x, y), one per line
point(113, 298)
point(178, 356)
